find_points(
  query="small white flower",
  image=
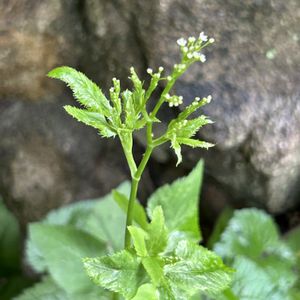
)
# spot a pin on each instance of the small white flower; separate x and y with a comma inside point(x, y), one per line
point(168, 96)
point(211, 40)
point(160, 69)
point(203, 37)
point(149, 71)
point(197, 99)
point(202, 58)
point(208, 98)
point(189, 55)
point(192, 39)
point(111, 89)
point(181, 42)
point(169, 78)
point(170, 104)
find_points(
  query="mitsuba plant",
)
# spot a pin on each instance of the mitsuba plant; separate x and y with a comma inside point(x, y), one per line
point(160, 257)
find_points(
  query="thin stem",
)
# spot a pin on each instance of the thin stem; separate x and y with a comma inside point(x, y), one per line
point(133, 192)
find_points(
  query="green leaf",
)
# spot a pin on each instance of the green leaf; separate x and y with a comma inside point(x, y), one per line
point(196, 269)
point(154, 268)
point(119, 272)
point(220, 226)
point(47, 289)
point(107, 218)
point(252, 281)
point(146, 292)
point(139, 214)
point(157, 233)
point(252, 233)
point(138, 236)
point(179, 202)
point(93, 119)
point(62, 248)
point(84, 90)
point(194, 143)
point(10, 240)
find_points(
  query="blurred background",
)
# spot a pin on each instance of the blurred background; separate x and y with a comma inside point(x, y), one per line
point(47, 159)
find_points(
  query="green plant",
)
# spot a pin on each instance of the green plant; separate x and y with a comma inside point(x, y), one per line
point(160, 258)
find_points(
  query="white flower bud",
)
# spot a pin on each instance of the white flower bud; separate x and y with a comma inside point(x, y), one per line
point(149, 71)
point(203, 37)
point(185, 49)
point(160, 69)
point(181, 42)
point(202, 58)
point(209, 98)
point(189, 55)
point(211, 40)
point(197, 99)
point(169, 78)
point(192, 39)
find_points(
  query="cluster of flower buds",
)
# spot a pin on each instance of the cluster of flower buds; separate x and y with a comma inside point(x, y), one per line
point(155, 75)
point(204, 100)
point(173, 100)
point(191, 47)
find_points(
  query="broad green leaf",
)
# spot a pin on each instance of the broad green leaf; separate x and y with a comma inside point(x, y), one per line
point(138, 236)
point(10, 240)
point(252, 281)
point(84, 90)
point(179, 202)
point(120, 272)
point(252, 233)
point(93, 119)
point(139, 214)
point(157, 233)
point(62, 248)
point(146, 292)
point(107, 218)
point(196, 269)
point(47, 289)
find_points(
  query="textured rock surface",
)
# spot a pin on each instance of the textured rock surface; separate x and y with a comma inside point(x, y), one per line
point(252, 71)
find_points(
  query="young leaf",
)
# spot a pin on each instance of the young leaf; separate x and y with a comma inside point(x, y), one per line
point(93, 119)
point(139, 214)
point(119, 272)
point(157, 233)
point(84, 90)
point(138, 236)
point(196, 269)
point(154, 268)
point(146, 292)
point(62, 248)
point(179, 202)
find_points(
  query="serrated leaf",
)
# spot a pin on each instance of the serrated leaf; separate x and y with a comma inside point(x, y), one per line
point(119, 272)
point(196, 269)
point(146, 292)
point(62, 248)
point(179, 202)
point(157, 233)
point(177, 149)
point(252, 233)
point(139, 214)
point(84, 90)
point(93, 119)
point(138, 236)
point(194, 143)
point(154, 268)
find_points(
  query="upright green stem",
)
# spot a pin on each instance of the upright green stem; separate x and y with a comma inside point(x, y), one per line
point(135, 183)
